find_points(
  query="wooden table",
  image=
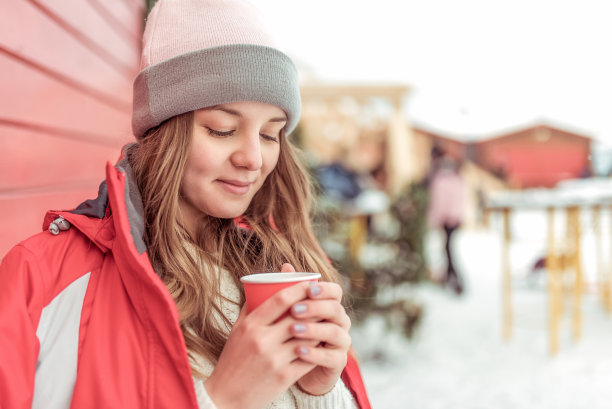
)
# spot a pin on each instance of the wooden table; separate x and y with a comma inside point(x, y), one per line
point(563, 254)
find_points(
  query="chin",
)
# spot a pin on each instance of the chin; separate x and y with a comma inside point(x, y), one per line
point(228, 213)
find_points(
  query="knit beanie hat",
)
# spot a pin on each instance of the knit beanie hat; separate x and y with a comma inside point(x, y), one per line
point(202, 53)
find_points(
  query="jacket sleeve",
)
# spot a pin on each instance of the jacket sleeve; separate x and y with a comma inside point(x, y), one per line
point(21, 295)
point(352, 378)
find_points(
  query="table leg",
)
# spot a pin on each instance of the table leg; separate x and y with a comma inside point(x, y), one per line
point(574, 214)
point(554, 286)
point(608, 275)
point(506, 280)
point(602, 278)
point(358, 234)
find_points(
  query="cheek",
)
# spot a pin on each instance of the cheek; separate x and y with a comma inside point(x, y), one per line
point(189, 174)
point(200, 162)
point(195, 176)
point(270, 160)
point(186, 183)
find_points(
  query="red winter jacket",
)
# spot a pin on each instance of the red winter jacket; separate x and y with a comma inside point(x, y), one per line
point(129, 349)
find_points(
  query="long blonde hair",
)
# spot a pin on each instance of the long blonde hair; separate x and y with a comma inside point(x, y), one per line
point(279, 231)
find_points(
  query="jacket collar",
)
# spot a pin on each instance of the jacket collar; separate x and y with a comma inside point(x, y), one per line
point(94, 217)
point(99, 230)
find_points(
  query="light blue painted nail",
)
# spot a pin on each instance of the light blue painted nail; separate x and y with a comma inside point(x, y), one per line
point(299, 308)
point(299, 327)
point(315, 290)
point(303, 350)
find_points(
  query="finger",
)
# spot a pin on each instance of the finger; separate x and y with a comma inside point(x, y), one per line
point(322, 356)
point(283, 330)
point(299, 367)
point(325, 290)
point(279, 304)
point(332, 335)
point(322, 310)
point(273, 340)
point(287, 268)
point(282, 355)
point(242, 315)
point(272, 357)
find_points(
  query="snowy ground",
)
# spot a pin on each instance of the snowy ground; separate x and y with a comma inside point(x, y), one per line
point(457, 358)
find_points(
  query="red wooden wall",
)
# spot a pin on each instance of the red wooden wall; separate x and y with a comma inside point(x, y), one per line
point(66, 70)
point(536, 157)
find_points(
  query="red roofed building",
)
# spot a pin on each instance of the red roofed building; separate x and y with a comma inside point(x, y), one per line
point(538, 156)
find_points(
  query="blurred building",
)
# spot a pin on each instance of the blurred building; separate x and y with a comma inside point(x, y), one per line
point(67, 69)
point(424, 142)
point(362, 126)
point(538, 156)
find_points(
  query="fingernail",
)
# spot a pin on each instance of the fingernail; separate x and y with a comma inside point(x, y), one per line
point(303, 351)
point(299, 308)
point(299, 328)
point(315, 290)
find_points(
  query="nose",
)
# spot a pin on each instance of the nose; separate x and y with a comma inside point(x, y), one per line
point(248, 152)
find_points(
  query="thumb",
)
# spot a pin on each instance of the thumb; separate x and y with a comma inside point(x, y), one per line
point(287, 268)
point(242, 315)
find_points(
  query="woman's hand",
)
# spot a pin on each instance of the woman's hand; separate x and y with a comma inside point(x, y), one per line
point(323, 319)
point(260, 361)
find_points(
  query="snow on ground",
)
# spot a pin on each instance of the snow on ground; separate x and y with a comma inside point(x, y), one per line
point(458, 359)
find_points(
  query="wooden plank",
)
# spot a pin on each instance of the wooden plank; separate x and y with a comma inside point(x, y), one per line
point(507, 311)
point(25, 214)
point(99, 34)
point(67, 70)
point(27, 32)
point(575, 233)
point(554, 285)
point(35, 160)
point(35, 97)
point(104, 97)
point(91, 137)
point(138, 6)
point(126, 17)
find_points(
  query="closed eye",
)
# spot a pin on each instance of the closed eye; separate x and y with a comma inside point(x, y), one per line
point(219, 133)
point(268, 137)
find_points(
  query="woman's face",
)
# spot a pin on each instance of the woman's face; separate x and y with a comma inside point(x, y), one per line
point(234, 148)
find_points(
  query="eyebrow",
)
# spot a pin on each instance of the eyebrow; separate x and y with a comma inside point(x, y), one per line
point(238, 114)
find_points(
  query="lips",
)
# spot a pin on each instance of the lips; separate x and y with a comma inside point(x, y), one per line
point(237, 187)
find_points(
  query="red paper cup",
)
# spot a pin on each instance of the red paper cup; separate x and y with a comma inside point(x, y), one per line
point(259, 287)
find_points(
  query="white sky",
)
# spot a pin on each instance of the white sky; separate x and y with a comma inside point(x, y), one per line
point(476, 66)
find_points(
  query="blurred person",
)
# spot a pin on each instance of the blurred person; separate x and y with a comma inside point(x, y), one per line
point(481, 206)
point(133, 299)
point(445, 211)
point(435, 158)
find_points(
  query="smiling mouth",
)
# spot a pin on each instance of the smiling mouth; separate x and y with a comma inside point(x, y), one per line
point(235, 187)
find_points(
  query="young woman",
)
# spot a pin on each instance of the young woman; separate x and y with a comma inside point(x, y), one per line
point(133, 299)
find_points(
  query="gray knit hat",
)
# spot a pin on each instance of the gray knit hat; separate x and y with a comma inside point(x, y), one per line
point(201, 53)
